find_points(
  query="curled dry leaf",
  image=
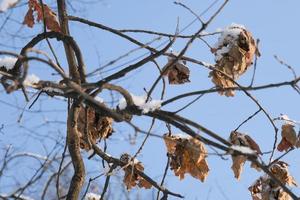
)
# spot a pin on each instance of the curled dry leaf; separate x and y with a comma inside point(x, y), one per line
point(265, 188)
point(234, 54)
point(238, 161)
point(288, 137)
point(50, 17)
point(178, 73)
point(98, 126)
point(131, 178)
point(280, 170)
point(187, 156)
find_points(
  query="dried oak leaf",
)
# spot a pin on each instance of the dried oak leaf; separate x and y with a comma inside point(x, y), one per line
point(98, 126)
point(187, 156)
point(131, 178)
point(265, 188)
point(178, 73)
point(280, 171)
point(238, 161)
point(288, 137)
point(234, 54)
point(50, 17)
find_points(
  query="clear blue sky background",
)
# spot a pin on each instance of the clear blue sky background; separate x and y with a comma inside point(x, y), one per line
point(275, 23)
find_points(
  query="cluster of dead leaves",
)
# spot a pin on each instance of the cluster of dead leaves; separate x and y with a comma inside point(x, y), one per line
point(238, 161)
point(98, 127)
point(42, 12)
point(177, 73)
point(187, 156)
point(131, 178)
point(265, 188)
point(289, 138)
point(235, 60)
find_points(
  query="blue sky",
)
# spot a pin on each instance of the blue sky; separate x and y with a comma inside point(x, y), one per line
point(275, 23)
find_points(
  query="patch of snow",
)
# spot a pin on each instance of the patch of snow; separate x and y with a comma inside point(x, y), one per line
point(227, 39)
point(140, 101)
point(287, 120)
point(242, 149)
point(23, 197)
point(8, 62)
point(31, 80)
point(92, 196)
point(181, 135)
point(220, 52)
point(6, 4)
point(51, 89)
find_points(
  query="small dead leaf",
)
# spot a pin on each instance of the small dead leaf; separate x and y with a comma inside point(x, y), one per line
point(131, 178)
point(178, 73)
point(98, 126)
point(238, 161)
point(289, 137)
point(29, 19)
point(280, 170)
point(234, 55)
point(237, 165)
point(50, 17)
point(187, 156)
point(265, 188)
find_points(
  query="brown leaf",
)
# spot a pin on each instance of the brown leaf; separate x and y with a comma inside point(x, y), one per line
point(98, 126)
point(29, 19)
point(233, 57)
point(131, 178)
point(187, 156)
point(265, 188)
point(289, 137)
point(238, 162)
point(252, 144)
point(280, 170)
point(178, 73)
point(237, 165)
point(50, 17)
point(241, 139)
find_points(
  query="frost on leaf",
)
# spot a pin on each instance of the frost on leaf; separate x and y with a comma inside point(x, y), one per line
point(234, 53)
point(98, 127)
point(187, 156)
point(131, 178)
point(288, 137)
point(238, 161)
point(50, 17)
point(177, 73)
point(265, 188)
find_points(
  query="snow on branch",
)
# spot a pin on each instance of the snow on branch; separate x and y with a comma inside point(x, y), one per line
point(140, 101)
point(92, 196)
point(242, 149)
point(31, 80)
point(7, 62)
